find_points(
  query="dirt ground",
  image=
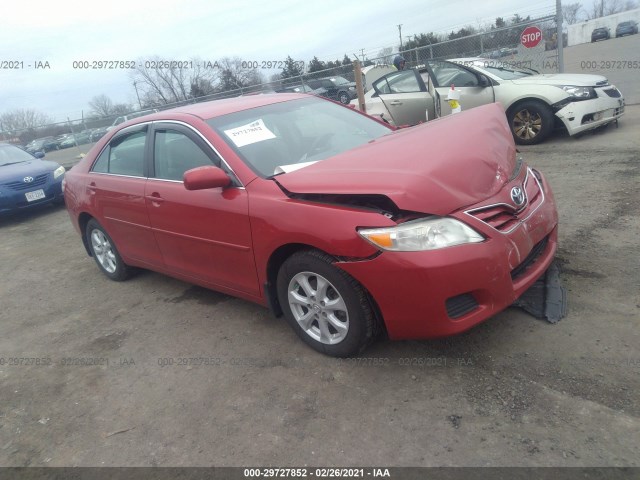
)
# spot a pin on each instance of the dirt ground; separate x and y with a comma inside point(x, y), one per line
point(181, 376)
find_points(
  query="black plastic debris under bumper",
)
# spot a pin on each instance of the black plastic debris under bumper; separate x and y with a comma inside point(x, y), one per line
point(546, 299)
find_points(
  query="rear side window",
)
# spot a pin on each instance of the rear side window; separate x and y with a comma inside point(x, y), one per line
point(123, 156)
point(404, 81)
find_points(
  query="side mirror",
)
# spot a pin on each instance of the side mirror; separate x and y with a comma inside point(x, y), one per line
point(484, 81)
point(39, 154)
point(202, 178)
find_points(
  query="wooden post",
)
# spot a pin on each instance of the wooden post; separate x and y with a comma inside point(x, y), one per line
point(357, 71)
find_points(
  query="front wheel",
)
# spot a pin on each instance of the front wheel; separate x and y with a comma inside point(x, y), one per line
point(531, 122)
point(105, 253)
point(326, 307)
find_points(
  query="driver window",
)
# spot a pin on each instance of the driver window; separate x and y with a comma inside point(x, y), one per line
point(447, 73)
point(175, 153)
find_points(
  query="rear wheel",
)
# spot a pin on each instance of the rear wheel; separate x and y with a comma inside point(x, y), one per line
point(531, 122)
point(343, 97)
point(105, 254)
point(326, 307)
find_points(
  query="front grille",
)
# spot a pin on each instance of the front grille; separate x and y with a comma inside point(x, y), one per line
point(613, 92)
point(505, 218)
point(460, 305)
point(22, 185)
point(536, 251)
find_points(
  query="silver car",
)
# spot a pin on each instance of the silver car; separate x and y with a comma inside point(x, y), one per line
point(532, 102)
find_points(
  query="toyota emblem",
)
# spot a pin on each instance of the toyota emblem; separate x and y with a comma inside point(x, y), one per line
point(517, 195)
point(27, 179)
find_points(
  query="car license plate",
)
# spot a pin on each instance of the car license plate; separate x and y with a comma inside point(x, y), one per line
point(35, 195)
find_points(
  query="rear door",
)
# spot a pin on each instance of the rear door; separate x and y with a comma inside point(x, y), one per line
point(405, 96)
point(116, 185)
point(203, 234)
point(475, 89)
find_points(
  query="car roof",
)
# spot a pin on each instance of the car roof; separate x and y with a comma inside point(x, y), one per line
point(216, 108)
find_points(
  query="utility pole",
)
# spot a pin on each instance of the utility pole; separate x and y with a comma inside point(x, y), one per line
point(135, 85)
point(400, 34)
point(559, 36)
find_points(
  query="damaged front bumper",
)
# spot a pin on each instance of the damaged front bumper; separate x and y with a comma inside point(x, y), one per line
point(547, 298)
point(589, 114)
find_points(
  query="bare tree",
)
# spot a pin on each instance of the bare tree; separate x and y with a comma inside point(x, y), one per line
point(236, 74)
point(602, 8)
point(613, 6)
point(571, 12)
point(385, 55)
point(22, 119)
point(163, 82)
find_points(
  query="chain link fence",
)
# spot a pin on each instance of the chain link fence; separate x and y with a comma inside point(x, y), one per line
point(499, 45)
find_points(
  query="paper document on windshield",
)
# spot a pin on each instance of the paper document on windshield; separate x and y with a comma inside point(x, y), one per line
point(292, 167)
point(250, 133)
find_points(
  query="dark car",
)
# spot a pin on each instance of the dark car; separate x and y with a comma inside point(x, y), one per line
point(602, 33)
point(343, 224)
point(304, 89)
point(76, 139)
point(44, 144)
point(27, 181)
point(503, 52)
point(626, 28)
point(337, 88)
point(61, 138)
point(98, 133)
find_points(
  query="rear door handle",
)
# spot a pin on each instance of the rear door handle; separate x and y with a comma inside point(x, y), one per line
point(395, 102)
point(92, 188)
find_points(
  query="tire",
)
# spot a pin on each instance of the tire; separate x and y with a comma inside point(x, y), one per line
point(531, 122)
point(343, 97)
point(104, 252)
point(326, 307)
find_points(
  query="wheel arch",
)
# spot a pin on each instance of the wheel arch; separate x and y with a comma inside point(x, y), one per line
point(530, 98)
point(276, 259)
point(280, 255)
point(83, 220)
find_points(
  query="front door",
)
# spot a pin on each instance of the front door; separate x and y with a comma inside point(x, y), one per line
point(473, 92)
point(204, 234)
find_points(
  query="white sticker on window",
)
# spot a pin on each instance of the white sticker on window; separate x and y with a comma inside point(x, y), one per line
point(250, 133)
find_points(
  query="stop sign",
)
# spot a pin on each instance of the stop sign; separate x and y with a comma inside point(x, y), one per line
point(531, 37)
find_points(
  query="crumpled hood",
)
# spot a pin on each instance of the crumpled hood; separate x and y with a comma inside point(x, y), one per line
point(434, 168)
point(577, 80)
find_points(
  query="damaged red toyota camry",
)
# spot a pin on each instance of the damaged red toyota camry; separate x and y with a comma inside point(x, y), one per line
point(340, 223)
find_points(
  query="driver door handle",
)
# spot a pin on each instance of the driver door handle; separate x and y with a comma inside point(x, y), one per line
point(155, 198)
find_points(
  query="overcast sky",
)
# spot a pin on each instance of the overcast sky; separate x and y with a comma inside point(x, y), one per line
point(62, 31)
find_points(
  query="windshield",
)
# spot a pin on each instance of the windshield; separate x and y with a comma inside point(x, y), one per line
point(294, 133)
point(10, 154)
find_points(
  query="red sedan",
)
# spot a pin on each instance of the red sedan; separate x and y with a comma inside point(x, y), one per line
point(341, 223)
